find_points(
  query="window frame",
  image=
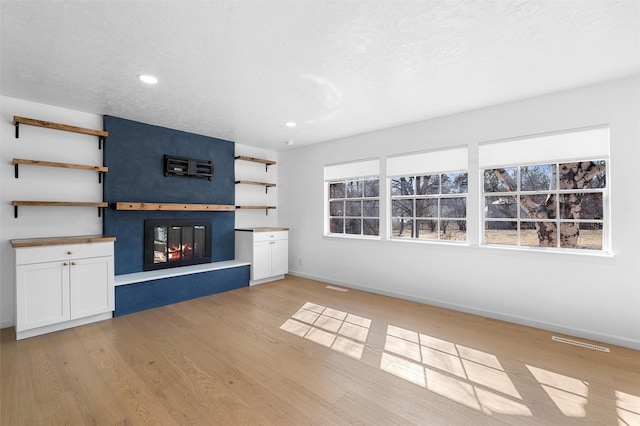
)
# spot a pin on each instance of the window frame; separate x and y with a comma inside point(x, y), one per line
point(363, 198)
point(605, 222)
point(438, 218)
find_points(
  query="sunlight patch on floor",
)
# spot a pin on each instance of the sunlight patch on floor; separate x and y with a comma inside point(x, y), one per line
point(628, 408)
point(468, 376)
point(568, 394)
point(341, 331)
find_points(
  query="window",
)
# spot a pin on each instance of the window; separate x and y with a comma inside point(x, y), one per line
point(547, 191)
point(427, 200)
point(546, 205)
point(353, 199)
point(429, 207)
point(354, 206)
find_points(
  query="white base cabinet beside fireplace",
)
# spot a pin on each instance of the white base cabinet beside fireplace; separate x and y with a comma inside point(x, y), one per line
point(267, 249)
point(63, 286)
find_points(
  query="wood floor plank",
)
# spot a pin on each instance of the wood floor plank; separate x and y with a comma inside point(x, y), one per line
point(293, 352)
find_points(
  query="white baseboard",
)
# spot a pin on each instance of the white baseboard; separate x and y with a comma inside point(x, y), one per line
point(7, 323)
point(585, 334)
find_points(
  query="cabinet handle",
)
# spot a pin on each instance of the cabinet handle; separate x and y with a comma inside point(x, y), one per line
point(73, 263)
point(69, 252)
point(272, 242)
point(65, 264)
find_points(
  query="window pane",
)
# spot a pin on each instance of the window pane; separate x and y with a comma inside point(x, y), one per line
point(428, 185)
point(371, 208)
point(353, 226)
point(582, 175)
point(539, 206)
point(337, 226)
point(453, 230)
point(427, 229)
point(427, 207)
point(581, 235)
point(402, 186)
point(453, 207)
point(353, 208)
point(372, 187)
point(507, 182)
point(501, 233)
point(501, 207)
point(538, 178)
point(454, 183)
point(371, 227)
point(581, 206)
point(402, 228)
point(354, 188)
point(336, 190)
point(402, 208)
point(538, 234)
point(336, 208)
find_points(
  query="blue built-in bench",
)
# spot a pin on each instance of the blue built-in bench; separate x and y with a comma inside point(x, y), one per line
point(145, 290)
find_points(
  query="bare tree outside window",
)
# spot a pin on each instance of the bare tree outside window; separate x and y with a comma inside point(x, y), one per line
point(429, 207)
point(557, 205)
point(354, 207)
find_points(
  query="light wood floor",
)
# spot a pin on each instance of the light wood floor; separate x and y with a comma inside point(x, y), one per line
point(293, 352)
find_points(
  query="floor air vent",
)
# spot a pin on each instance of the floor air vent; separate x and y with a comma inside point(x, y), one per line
point(581, 344)
point(330, 287)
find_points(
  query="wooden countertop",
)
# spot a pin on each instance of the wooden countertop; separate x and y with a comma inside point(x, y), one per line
point(263, 229)
point(53, 241)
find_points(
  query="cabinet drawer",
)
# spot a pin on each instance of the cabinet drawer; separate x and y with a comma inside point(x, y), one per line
point(270, 236)
point(27, 255)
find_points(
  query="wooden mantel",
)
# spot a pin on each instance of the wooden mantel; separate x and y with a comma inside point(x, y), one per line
point(123, 205)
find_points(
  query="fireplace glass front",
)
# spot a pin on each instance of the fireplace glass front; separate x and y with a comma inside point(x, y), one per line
point(170, 243)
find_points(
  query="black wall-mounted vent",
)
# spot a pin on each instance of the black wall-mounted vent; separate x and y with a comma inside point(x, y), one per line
point(187, 167)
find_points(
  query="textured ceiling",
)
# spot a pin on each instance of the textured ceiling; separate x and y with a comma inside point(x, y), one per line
point(239, 70)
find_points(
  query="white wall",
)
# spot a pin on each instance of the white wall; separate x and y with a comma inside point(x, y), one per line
point(594, 297)
point(254, 195)
point(44, 183)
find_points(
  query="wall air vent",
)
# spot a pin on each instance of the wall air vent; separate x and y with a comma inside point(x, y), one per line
point(187, 167)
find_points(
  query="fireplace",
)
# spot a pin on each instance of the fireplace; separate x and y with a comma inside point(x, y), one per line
point(170, 243)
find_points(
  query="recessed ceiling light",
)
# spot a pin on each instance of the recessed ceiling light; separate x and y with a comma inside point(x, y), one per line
point(149, 79)
point(289, 143)
point(290, 124)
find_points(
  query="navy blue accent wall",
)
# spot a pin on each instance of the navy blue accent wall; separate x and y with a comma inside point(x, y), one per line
point(151, 294)
point(134, 153)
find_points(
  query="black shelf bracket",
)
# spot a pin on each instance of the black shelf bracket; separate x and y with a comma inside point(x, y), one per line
point(17, 129)
point(100, 141)
point(15, 212)
point(16, 170)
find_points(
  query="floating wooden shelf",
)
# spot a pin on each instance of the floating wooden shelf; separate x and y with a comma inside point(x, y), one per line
point(250, 182)
point(265, 208)
point(99, 169)
point(15, 205)
point(255, 160)
point(266, 163)
point(57, 126)
point(173, 207)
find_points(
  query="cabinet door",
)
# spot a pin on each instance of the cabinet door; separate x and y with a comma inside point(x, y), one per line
point(279, 257)
point(261, 266)
point(92, 290)
point(42, 294)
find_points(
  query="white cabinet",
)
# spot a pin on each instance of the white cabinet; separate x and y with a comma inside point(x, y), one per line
point(62, 286)
point(267, 249)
